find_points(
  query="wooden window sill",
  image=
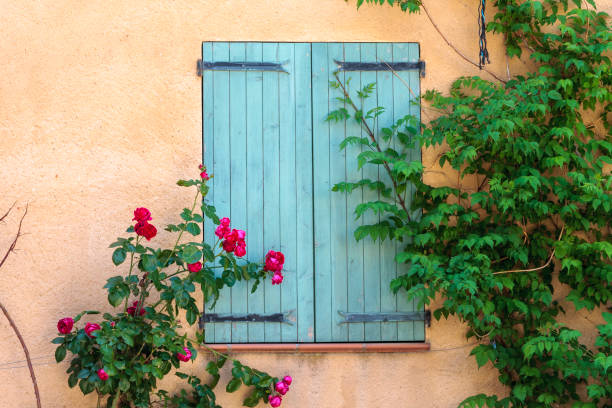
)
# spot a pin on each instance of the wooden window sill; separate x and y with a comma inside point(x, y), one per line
point(320, 347)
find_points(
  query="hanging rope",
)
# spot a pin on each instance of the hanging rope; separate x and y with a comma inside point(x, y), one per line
point(482, 34)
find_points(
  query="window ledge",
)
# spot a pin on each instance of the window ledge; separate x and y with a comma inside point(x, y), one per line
point(320, 347)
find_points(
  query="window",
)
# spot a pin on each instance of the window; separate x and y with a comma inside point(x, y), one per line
point(275, 159)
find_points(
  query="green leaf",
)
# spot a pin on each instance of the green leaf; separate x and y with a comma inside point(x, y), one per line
point(119, 256)
point(149, 262)
point(233, 385)
point(193, 228)
point(60, 353)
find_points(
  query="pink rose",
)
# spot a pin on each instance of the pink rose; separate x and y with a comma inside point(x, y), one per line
point(240, 249)
point(274, 261)
point(234, 239)
point(240, 235)
point(229, 245)
point(102, 374)
point(132, 309)
point(184, 357)
point(287, 380)
point(223, 228)
point(277, 278)
point(141, 214)
point(195, 267)
point(204, 175)
point(201, 167)
point(145, 229)
point(281, 388)
point(91, 327)
point(275, 400)
point(64, 326)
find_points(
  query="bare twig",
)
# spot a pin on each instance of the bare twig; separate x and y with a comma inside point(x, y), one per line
point(8, 316)
point(455, 48)
point(8, 212)
point(12, 246)
point(373, 139)
point(550, 258)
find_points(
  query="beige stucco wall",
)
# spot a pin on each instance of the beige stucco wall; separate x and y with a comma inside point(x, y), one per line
point(100, 112)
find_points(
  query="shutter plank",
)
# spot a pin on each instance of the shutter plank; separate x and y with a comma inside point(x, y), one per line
point(388, 270)
point(238, 174)
point(254, 203)
point(372, 249)
point(355, 283)
point(337, 170)
point(208, 141)
point(401, 103)
point(222, 170)
point(271, 210)
point(322, 187)
point(415, 85)
point(287, 196)
point(304, 260)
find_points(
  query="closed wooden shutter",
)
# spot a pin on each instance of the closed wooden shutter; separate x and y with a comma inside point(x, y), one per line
point(275, 159)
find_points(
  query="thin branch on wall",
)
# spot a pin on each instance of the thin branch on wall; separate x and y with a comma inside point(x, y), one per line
point(455, 48)
point(8, 316)
point(8, 212)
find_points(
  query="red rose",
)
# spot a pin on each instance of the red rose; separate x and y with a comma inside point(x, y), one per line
point(132, 309)
point(91, 327)
point(141, 214)
point(195, 267)
point(277, 278)
point(145, 229)
point(102, 374)
point(240, 249)
point(229, 245)
point(274, 261)
point(64, 326)
point(223, 228)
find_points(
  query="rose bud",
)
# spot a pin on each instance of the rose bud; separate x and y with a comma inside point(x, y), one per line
point(281, 388)
point(184, 357)
point(64, 326)
point(275, 400)
point(287, 380)
point(90, 328)
point(204, 175)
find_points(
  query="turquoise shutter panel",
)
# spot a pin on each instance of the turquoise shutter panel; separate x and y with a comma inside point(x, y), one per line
point(257, 142)
point(350, 276)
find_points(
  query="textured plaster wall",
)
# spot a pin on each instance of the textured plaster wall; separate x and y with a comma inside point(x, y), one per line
point(100, 113)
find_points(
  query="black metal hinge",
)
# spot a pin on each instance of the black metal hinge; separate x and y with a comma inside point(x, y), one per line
point(239, 66)
point(381, 66)
point(286, 318)
point(386, 317)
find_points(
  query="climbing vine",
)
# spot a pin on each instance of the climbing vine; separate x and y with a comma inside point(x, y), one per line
point(530, 240)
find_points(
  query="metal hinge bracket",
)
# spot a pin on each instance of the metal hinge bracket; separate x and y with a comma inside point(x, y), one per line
point(381, 66)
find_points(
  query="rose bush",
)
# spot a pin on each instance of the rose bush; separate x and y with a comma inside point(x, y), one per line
point(122, 357)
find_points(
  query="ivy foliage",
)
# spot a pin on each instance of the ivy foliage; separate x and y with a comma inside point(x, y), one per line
point(527, 231)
